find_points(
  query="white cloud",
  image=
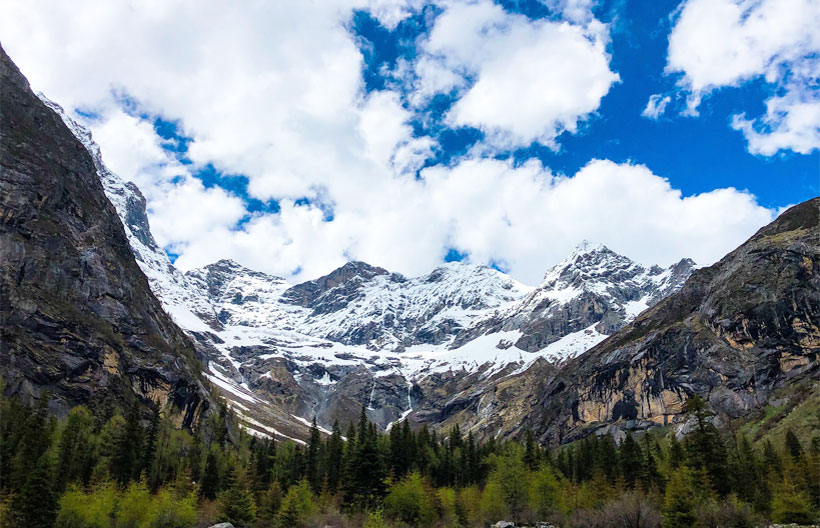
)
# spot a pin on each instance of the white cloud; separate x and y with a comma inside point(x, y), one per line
point(273, 91)
point(519, 80)
point(719, 43)
point(656, 106)
point(523, 216)
point(180, 208)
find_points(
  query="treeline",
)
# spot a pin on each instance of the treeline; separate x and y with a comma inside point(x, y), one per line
point(125, 471)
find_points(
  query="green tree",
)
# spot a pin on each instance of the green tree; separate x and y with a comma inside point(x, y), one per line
point(150, 448)
point(236, 503)
point(335, 452)
point(793, 445)
point(511, 476)
point(312, 458)
point(297, 506)
point(705, 447)
point(75, 451)
point(408, 501)
point(210, 476)
point(35, 505)
point(125, 463)
point(790, 505)
point(679, 502)
point(545, 492)
point(134, 507)
point(631, 460)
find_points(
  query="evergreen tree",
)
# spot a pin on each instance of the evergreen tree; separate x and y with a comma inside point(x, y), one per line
point(210, 476)
point(34, 440)
point(296, 506)
point(677, 456)
point(606, 460)
point(149, 451)
point(631, 460)
point(531, 458)
point(771, 460)
point(705, 448)
point(269, 503)
point(679, 502)
point(237, 505)
point(35, 506)
point(650, 476)
point(793, 446)
point(335, 453)
point(125, 464)
point(791, 505)
point(312, 458)
point(75, 458)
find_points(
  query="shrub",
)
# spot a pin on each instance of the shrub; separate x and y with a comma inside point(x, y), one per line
point(87, 510)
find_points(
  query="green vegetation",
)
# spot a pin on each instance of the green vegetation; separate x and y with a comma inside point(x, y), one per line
point(133, 471)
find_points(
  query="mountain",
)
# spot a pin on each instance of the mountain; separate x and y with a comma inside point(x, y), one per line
point(737, 333)
point(406, 348)
point(97, 313)
point(79, 320)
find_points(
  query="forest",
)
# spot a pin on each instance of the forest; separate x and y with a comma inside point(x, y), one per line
point(117, 469)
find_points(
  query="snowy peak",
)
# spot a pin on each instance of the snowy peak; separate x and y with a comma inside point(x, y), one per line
point(335, 290)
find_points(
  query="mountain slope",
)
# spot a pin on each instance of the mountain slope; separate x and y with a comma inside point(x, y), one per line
point(78, 317)
point(734, 333)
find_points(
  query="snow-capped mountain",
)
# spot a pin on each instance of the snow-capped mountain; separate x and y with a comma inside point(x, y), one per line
point(361, 335)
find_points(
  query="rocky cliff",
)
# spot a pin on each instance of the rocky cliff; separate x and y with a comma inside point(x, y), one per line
point(78, 318)
point(734, 333)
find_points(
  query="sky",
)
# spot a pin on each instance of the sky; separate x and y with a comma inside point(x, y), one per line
point(295, 136)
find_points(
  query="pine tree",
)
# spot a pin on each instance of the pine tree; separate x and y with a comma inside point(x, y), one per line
point(531, 458)
point(677, 456)
point(631, 460)
point(34, 440)
point(679, 502)
point(210, 476)
point(312, 458)
point(607, 457)
point(771, 460)
point(125, 464)
point(335, 453)
point(150, 449)
point(650, 476)
point(35, 506)
point(793, 445)
point(75, 450)
point(237, 505)
point(705, 447)
point(791, 505)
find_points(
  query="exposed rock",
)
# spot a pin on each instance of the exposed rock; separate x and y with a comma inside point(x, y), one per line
point(736, 331)
point(79, 319)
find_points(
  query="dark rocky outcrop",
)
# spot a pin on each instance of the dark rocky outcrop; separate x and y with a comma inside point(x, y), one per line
point(77, 316)
point(734, 333)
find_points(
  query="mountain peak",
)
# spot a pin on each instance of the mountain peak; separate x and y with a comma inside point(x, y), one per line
point(585, 247)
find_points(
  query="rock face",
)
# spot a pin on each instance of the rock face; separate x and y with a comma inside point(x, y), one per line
point(79, 319)
point(735, 331)
point(594, 288)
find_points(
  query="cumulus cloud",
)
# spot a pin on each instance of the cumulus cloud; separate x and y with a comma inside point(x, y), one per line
point(179, 206)
point(524, 217)
point(719, 43)
point(519, 80)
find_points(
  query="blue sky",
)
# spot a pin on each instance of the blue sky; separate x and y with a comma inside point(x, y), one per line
point(697, 154)
point(408, 133)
